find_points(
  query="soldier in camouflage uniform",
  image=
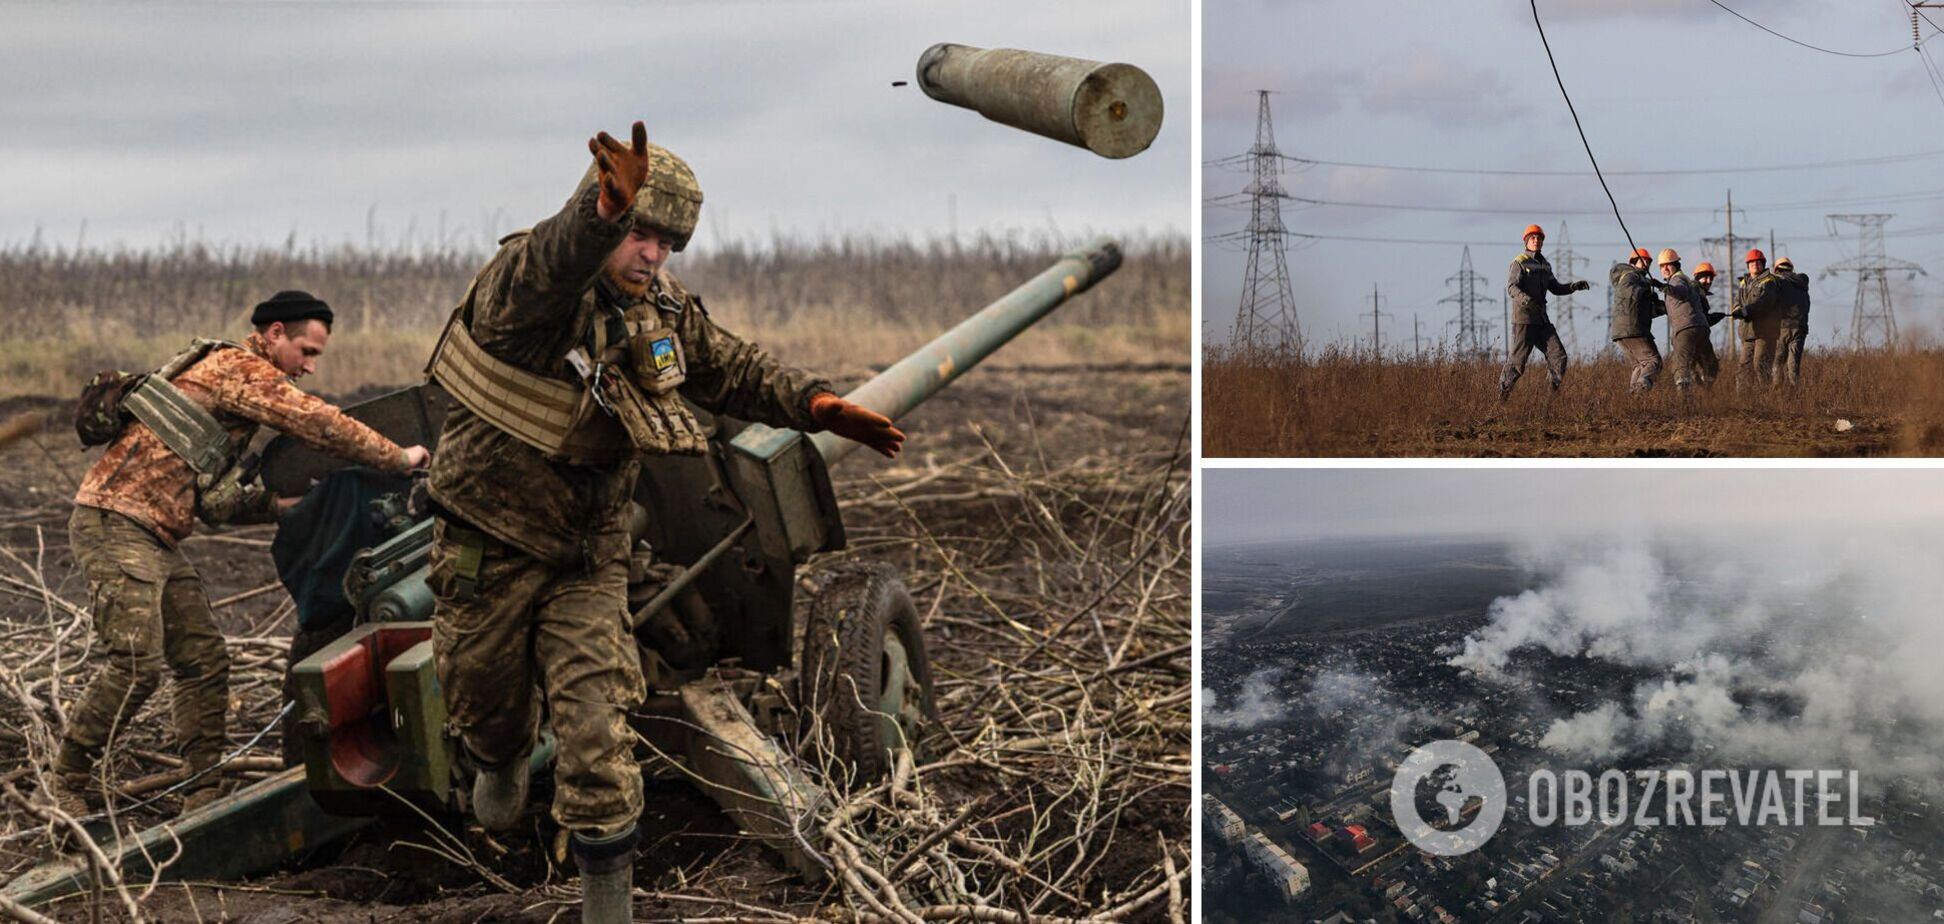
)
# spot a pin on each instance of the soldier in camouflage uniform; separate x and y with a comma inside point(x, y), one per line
point(530, 557)
point(1530, 280)
point(140, 500)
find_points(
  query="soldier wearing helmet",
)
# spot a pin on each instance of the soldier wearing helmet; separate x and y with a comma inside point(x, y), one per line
point(1633, 309)
point(1794, 326)
point(1526, 288)
point(1760, 300)
point(573, 356)
point(1688, 320)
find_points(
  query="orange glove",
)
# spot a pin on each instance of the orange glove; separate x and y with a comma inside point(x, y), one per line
point(623, 170)
point(856, 422)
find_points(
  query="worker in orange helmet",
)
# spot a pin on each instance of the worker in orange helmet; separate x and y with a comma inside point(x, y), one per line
point(1630, 318)
point(1759, 302)
point(1688, 320)
point(1530, 281)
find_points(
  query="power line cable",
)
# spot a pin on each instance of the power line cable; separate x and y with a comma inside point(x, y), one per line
point(1304, 202)
point(1799, 239)
point(1576, 124)
point(1830, 51)
point(1698, 171)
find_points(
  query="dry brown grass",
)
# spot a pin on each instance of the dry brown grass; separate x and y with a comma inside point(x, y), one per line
point(837, 305)
point(1340, 404)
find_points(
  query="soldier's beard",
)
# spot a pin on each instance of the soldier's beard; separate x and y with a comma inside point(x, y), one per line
point(628, 286)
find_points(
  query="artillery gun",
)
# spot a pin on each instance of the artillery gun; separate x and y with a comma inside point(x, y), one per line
point(722, 537)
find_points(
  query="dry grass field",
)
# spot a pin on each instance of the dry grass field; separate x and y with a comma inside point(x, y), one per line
point(841, 306)
point(1341, 405)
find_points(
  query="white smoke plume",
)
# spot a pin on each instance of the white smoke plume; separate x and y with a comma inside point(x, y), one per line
point(1256, 703)
point(1815, 650)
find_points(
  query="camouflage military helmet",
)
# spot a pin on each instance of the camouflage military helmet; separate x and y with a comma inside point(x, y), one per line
point(670, 200)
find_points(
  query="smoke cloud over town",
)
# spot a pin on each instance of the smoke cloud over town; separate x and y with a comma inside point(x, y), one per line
point(1806, 650)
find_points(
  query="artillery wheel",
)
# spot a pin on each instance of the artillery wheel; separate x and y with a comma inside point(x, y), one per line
point(865, 672)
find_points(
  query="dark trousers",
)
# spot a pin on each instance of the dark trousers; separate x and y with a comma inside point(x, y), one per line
point(1540, 335)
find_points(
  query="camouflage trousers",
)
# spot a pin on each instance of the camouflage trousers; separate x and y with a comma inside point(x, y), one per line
point(1788, 358)
point(511, 633)
point(1694, 358)
point(1526, 338)
point(149, 610)
point(1646, 360)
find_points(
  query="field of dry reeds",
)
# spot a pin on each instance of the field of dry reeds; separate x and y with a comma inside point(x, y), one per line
point(1342, 404)
point(836, 305)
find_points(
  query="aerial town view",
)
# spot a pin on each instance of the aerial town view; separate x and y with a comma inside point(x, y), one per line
point(1650, 626)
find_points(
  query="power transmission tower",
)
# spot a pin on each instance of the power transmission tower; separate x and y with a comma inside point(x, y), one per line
point(1567, 307)
point(1875, 321)
point(1474, 333)
point(1377, 315)
point(1266, 320)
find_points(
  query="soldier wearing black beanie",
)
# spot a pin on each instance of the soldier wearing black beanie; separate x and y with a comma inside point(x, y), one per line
point(288, 306)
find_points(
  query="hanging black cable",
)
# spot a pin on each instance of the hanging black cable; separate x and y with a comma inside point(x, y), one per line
point(1828, 51)
point(1631, 247)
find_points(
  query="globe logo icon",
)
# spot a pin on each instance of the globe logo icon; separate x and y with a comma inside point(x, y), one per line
point(1467, 782)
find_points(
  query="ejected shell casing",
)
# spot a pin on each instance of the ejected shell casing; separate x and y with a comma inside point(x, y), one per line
point(1113, 110)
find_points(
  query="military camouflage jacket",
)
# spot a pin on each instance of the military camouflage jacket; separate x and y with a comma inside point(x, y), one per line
point(1530, 280)
point(536, 301)
point(140, 478)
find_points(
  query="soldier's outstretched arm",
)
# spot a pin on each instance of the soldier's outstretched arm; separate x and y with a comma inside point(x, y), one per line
point(728, 375)
point(537, 279)
point(269, 399)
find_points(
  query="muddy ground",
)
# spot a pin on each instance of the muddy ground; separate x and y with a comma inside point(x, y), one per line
point(1045, 422)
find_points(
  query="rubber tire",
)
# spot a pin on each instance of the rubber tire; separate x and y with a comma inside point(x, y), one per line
point(844, 660)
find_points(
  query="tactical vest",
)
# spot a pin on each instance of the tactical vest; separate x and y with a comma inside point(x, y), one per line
point(625, 403)
point(224, 488)
point(187, 428)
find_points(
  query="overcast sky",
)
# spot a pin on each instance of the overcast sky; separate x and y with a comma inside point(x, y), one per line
point(1249, 505)
point(1659, 84)
point(249, 122)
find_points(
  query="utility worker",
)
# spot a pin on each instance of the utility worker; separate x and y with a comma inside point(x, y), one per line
point(1631, 313)
point(175, 461)
point(1530, 280)
point(569, 359)
point(1794, 325)
point(1688, 319)
point(1760, 301)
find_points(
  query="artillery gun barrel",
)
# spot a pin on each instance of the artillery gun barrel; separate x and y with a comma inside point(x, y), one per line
point(895, 391)
point(1113, 110)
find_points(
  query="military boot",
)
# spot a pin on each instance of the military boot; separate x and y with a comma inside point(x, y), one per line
point(607, 876)
point(499, 793)
point(68, 794)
